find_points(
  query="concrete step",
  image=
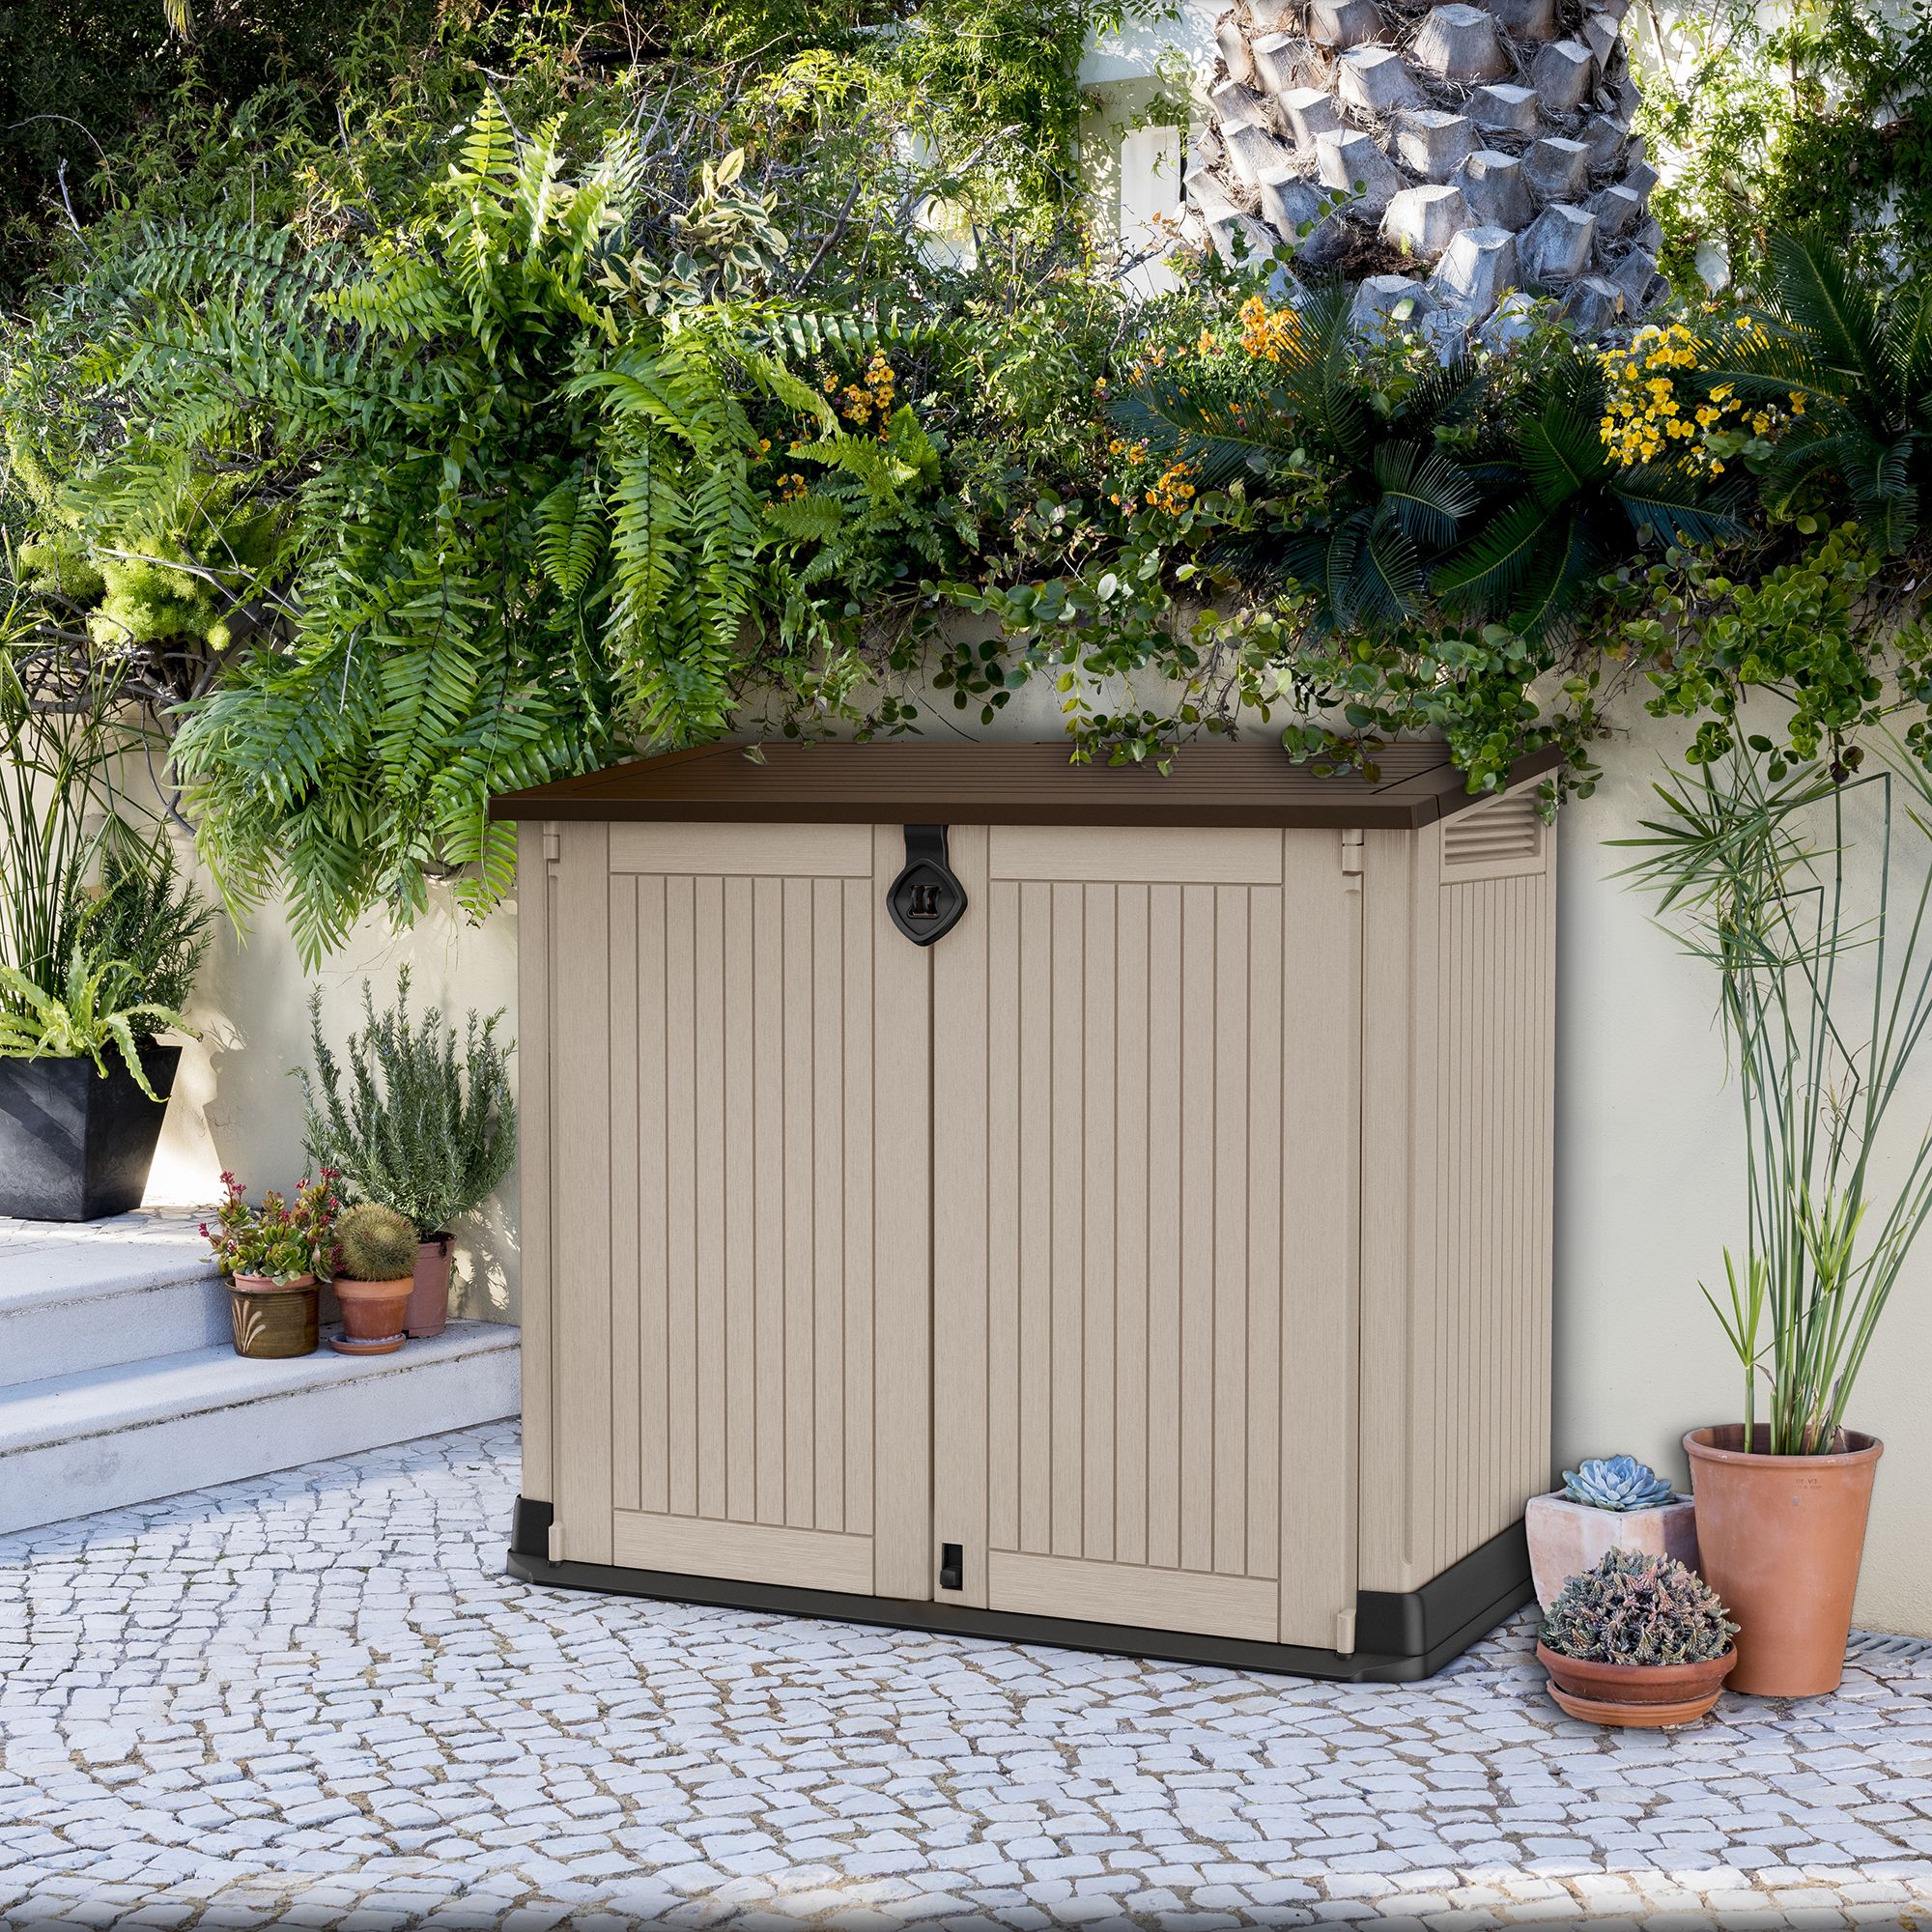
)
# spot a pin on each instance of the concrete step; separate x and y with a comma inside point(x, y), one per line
point(105, 1293)
point(130, 1432)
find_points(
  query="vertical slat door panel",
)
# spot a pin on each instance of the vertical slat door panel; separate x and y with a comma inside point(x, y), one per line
point(743, 1250)
point(1110, 1251)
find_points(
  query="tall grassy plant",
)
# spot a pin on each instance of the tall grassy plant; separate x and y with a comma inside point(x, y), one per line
point(1785, 921)
point(410, 1116)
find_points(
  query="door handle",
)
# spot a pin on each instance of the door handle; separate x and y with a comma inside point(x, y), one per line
point(925, 900)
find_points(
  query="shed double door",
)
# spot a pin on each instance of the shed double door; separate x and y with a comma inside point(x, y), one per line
point(1038, 1242)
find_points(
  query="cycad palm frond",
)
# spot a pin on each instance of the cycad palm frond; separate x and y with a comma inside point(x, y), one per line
point(1218, 439)
point(1837, 309)
point(1421, 491)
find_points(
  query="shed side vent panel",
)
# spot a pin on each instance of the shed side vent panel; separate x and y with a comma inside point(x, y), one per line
point(1498, 833)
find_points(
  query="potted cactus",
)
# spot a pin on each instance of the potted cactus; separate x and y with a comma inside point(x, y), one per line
point(1636, 1640)
point(374, 1270)
point(1606, 1502)
point(271, 1257)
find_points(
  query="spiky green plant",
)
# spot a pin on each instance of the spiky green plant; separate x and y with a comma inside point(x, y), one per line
point(1563, 511)
point(1394, 499)
point(1858, 356)
point(91, 1014)
point(1825, 992)
point(1638, 1608)
point(375, 1243)
point(409, 1116)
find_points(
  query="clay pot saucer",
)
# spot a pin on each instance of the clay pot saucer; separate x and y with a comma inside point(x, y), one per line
point(1638, 1696)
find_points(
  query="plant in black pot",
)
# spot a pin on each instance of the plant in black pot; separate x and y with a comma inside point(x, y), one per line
point(84, 1076)
point(417, 1119)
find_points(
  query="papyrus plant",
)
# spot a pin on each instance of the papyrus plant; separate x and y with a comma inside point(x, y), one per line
point(1824, 968)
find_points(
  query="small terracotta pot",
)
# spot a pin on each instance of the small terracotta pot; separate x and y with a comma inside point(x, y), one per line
point(373, 1315)
point(429, 1297)
point(1640, 1696)
point(273, 1320)
point(1780, 1537)
point(1566, 1537)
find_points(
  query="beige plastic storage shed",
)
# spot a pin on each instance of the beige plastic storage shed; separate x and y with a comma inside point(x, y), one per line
point(969, 1191)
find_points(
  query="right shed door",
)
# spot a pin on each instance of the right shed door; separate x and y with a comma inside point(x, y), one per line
point(1145, 1055)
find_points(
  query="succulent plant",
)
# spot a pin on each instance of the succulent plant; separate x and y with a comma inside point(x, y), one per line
point(1634, 1608)
point(1616, 1482)
point(375, 1243)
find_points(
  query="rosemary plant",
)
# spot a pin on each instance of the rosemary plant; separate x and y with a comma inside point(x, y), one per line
point(423, 1123)
point(1825, 991)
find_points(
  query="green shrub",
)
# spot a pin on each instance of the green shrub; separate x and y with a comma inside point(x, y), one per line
point(404, 1117)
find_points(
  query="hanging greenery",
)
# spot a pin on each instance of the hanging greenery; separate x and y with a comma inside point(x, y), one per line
point(532, 417)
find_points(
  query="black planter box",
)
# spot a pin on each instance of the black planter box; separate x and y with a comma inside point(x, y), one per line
point(75, 1147)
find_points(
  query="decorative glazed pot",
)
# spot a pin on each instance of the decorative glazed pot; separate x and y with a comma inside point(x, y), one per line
point(373, 1314)
point(429, 1297)
point(1641, 1697)
point(1566, 1537)
point(73, 1145)
point(1780, 1537)
point(273, 1320)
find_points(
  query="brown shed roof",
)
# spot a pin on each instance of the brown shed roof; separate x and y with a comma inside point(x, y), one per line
point(913, 782)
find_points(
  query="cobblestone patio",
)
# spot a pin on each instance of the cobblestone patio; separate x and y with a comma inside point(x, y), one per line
point(316, 1700)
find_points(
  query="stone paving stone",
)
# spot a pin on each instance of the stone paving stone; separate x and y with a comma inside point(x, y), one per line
point(316, 1700)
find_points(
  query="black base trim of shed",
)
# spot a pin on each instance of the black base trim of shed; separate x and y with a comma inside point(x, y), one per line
point(1405, 1635)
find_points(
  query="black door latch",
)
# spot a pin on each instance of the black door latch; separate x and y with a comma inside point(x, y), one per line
point(925, 900)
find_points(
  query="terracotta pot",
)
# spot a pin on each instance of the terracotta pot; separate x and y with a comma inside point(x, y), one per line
point(429, 1298)
point(373, 1315)
point(1780, 1537)
point(1566, 1537)
point(273, 1320)
point(1641, 1697)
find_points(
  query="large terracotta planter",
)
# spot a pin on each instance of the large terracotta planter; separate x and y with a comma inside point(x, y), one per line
point(373, 1315)
point(429, 1297)
point(273, 1320)
point(1640, 1696)
point(1566, 1537)
point(1780, 1537)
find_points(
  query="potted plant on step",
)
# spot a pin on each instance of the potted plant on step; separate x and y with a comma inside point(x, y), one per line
point(1611, 1503)
point(416, 1118)
point(274, 1257)
point(1636, 1640)
point(375, 1273)
point(1822, 956)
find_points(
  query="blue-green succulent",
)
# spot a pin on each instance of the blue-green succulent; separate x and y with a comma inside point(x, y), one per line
point(1616, 1482)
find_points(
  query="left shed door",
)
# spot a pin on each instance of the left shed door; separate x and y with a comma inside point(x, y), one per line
point(741, 1103)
